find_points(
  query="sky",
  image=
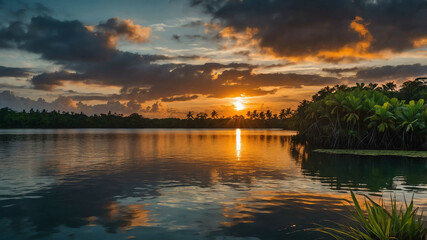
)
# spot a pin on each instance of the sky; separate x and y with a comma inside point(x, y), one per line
point(164, 58)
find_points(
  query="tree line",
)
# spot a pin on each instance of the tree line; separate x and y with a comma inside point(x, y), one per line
point(254, 115)
point(365, 116)
point(56, 119)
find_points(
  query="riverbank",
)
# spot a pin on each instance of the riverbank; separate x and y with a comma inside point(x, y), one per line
point(364, 152)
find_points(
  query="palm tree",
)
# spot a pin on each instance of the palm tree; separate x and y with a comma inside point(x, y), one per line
point(389, 87)
point(214, 114)
point(282, 114)
point(190, 115)
point(249, 114)
point(373, 85)
point(288, 112)
point(360, 86)
point(262, 115)
point(202, 115)
point(269, 114)
point(411, 116)
point(255, 114)
point(414, 90)
point(382, 120)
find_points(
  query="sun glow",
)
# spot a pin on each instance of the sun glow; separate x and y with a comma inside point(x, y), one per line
point(238, 103)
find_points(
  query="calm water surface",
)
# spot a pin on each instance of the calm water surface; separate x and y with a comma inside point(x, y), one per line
point(183, 184)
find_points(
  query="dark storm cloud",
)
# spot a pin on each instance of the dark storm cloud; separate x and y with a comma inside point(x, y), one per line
point(88, 54)
point(48, 81)
point(22, 10)
point(64, 41)
point(13, 72)
point(56, 40)
point(275, 79)
point(300, 28)
point(392, 72)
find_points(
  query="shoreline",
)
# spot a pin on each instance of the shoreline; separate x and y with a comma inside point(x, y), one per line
point(369, 152)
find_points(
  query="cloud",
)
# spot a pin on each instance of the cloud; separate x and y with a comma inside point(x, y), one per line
point(180, 98)
point(64, 103)
point(49, 81)
point(392, 72)
point(8, 99)
point(89, 55)
point(340, 71)
point(132, 32)
point(20, 10)
point(13, 72)
point(10, 86)
point(196, 37)
point(196, 23)
point(155, 108)
point(329, 30)
point(64, 41)
point(176, 37)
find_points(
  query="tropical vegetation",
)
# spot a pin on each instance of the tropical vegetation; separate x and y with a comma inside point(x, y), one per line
point(56, 119)
point(376, 222)
point(365, 116)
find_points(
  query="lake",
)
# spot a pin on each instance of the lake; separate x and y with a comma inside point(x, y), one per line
point(183, 184)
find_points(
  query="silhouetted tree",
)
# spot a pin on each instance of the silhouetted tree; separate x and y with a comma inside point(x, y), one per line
point(202, 115)
point(190, 115)
point(255, 114)
point(214, 114)
point(262, 115)
point(269, 114)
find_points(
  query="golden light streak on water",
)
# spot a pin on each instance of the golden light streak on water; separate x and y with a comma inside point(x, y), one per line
point(238, 144)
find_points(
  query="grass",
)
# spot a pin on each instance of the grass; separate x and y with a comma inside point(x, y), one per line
point(375, 222)
point(364, 152)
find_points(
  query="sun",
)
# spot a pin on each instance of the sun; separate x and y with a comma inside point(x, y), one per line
point(238, 106)
point(239, 103)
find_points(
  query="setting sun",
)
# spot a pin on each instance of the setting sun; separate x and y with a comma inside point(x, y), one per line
point(238, 103)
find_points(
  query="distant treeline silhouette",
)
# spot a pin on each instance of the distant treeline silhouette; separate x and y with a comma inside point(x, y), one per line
point(365, 116)
point(56, 119)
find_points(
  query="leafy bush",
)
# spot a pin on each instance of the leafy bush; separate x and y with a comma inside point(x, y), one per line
point(362, 117)
point(377, 223)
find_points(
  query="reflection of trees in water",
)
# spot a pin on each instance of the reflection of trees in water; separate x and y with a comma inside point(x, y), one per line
point(364, 172)
point(136, 166)
point(87, 188)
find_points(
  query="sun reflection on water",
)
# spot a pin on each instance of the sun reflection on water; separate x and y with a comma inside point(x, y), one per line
point(238, 143)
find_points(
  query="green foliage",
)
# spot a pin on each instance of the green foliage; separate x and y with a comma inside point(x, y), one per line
point(376, 222)
point(364, 117)
point(55, 119)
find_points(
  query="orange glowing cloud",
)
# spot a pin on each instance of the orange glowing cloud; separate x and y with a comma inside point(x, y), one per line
point(114, 28)
point(240, 39)
point(350, 52)
point(134, 32)
point(420, 42)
